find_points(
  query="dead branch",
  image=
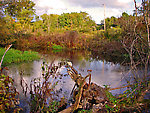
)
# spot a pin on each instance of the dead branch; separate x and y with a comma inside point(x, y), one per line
point(86, 94)
point(4, 55)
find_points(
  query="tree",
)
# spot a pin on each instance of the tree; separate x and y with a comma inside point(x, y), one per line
point(50, 22)
point(80, 21)
point(21, 10)
point(144, 12)
point(124, 14)
point(15, 18)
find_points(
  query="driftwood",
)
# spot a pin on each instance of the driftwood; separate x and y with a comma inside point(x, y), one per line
point(86, 95)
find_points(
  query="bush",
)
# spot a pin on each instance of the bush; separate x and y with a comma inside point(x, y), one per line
point(8, 95)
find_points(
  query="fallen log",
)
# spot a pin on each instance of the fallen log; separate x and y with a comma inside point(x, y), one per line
point(86, 95)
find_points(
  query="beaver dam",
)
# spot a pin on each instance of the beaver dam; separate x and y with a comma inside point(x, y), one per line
point(85, 95)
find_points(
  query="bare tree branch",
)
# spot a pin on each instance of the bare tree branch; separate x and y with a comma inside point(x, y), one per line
point(4, 55)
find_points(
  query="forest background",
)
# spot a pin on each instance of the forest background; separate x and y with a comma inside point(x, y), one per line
point(21, 27)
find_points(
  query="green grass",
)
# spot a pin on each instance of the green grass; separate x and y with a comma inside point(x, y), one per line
point(16, 56)
point(56, 47)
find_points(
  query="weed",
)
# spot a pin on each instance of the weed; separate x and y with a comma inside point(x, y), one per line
point(42, 91)
point(130, 100)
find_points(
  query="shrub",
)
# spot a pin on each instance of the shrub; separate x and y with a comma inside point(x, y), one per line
point(8, 95)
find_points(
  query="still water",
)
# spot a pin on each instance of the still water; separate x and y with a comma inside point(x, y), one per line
point(103, 72)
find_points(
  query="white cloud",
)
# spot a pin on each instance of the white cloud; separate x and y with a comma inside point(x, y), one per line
point(94, 8)
point(98, 3)
point(124, 1)
point(53, 4)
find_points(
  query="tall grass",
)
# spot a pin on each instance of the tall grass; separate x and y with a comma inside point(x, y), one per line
point(16, 56)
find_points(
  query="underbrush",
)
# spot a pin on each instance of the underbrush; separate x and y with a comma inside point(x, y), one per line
point(133, 99)
point(8, 95)
point(67, 40)
point(111, 51)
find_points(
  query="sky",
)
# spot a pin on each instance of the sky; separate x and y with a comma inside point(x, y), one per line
point(95, 8)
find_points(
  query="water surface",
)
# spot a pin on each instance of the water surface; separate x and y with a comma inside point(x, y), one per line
point(103, 72)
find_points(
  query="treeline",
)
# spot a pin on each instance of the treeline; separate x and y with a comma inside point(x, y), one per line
point(18, 22)
point(81, 22)
point(21, 27)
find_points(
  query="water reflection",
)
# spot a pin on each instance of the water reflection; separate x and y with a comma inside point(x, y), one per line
point(103, 73)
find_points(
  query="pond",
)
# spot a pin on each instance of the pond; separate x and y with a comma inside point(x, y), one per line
point(103, 72)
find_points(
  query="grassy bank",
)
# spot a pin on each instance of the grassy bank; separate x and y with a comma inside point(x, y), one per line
point(16, 56)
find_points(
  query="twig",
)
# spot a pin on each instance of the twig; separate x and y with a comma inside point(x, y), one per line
point(119, 87)
point(4, 55)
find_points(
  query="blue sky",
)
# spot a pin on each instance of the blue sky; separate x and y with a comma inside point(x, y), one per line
point(93, 7)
